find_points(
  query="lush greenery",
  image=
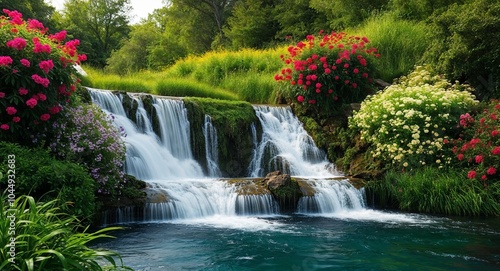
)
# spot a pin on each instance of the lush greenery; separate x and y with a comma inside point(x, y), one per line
point(189, 88)
point(44, 237)
point(40, 174)
point(409, 123)
point(37, 76)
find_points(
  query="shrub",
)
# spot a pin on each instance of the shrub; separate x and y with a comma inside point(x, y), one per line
point(328, 71)
point(46, 238)
point(36, 73)
point(409, 123)
point(464, 45)
point(433, 190)
point(87, 136)
point(479, 148)
point(39, 174)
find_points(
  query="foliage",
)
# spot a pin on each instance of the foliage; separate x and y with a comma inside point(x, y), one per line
point(401, 43)
point(328, 71)
point(419, 10)
point(438, 191)
point(46, 238)
point(40, 174)
point(479, 147)
point(87, 136)
point(135, 82)
point(342, 14)
point(37, 77)
point(464, 47)
point(102, 24)
point(188, 88)
point(32, 9)
point(410, 123)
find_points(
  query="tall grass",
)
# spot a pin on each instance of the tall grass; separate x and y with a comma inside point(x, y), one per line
point(431, 190)
point(401, 43)
point(48, 239)
point(189, 88)
point(139, 82)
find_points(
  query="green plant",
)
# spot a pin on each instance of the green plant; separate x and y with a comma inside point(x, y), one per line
point(40, 236)
point(328, 71)
point(39, 174)
point(438, 191)
point(479, 147)
point(87, 136)
point(410, 123)
point(188, 88)
point(37, 77)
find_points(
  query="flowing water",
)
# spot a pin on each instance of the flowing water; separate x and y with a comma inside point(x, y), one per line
point(206, 224)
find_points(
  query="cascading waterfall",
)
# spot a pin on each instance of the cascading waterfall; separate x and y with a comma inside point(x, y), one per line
point(211, 148)
point(166, 162)
point(332, 196)
point(286, 146)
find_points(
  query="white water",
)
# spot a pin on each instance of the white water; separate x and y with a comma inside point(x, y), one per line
point(211, 148)
point(286, 146)
point(166, 162)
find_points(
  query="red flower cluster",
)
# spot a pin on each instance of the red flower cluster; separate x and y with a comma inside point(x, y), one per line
point(328, 69)
point(482, 151)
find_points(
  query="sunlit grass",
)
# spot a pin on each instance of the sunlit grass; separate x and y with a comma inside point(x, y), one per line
point(190, 88)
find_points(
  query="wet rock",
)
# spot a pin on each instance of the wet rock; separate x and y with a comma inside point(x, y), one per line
point(285, 190)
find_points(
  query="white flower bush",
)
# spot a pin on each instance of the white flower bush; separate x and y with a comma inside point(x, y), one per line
point(410, 122)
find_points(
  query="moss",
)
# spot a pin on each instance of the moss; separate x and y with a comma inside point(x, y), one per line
point(130, 106)
point(250, 186)
point(233, 122)
point(147, 100)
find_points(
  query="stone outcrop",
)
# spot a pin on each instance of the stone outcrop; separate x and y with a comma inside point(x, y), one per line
point(285, 190)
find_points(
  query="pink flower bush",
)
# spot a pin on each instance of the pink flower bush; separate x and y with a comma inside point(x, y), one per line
point(34, 67)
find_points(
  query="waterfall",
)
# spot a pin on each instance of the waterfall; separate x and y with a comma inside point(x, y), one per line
point(286, 146)
point(211, 148)
point(332, 196)
point(149, 156)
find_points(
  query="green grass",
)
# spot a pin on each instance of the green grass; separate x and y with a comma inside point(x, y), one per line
point(401, 44)
point(430, 190)
point(140, 82)
point(190, 88)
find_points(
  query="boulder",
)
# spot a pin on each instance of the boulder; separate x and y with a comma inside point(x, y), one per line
point(285, 190)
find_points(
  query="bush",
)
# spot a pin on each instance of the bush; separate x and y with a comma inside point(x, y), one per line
point(39, 174)
point(86, 135)
point(433, 190)
point(46, 238)
point(465, 45)
point(328, 71)
point(479, 147)
point(37, 77)
point(410, 123)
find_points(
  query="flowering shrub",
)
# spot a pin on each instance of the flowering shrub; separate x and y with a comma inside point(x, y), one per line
point(86, 135)
point(479, 149)
point(36, 73)
point(328, 70)
point(409, 122)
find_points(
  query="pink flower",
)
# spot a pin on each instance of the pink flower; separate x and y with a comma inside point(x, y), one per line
point(11, 110)
point(491, 171)
point(40, 80)
point(327, 71)
point(484, 177)
point(312, 101)
point(22, 91)
point(16, 119)
point(4, 127)
point(318, 85)
point(479, 159)
point(46, 65)
point(35, 24)
point(460, 157)
point(60, 36)
point(55, 109)
point(17, 43)
point(45, 117)
point(2, 95)
point(5, 61)
point(354, 85)
point(472, 174)
point(31, 103)
point(356, 71)
point(25, 62)
point(41, 97)
point(41, 48)
point(346, 65)
point(300, 98)
point(496, 150)
point(314, 77)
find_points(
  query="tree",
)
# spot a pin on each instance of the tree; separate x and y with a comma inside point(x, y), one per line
point(102, 24)
point(298, 19)
point(36, 9)
point(346, 13)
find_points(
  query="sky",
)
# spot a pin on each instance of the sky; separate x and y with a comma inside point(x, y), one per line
point(141, 8)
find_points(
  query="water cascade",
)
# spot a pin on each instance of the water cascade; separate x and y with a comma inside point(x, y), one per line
point(331, 196)
point(286, 146)
point(211, 148)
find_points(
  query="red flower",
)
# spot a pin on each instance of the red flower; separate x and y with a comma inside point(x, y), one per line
point(484, 178)
point(16, 119)
point(356, 71)
point(5, 61)
point(31, 103)
point(495, 133)
point(312, 101)
point(496, 150)
point(491, 171)
point(46, 65)
point(11, 110)
point(55, 109)
point(25, 62)
point(472, 174)
point(45, 117)
point(354, 85)
point(318, 85)
point(22, 91)
point(479, 159)
point(4, 127)
point(460, 157)
point(493, 116)
point(346, 65)
point(2, 95)
point(327, 71)
point(346, 82)
point(40, 80)
point(60, 36)
point(41, 97)
point(17, 43)
point(300, 98)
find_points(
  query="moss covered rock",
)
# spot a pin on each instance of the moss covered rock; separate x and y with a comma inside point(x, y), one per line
point(285, 190)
